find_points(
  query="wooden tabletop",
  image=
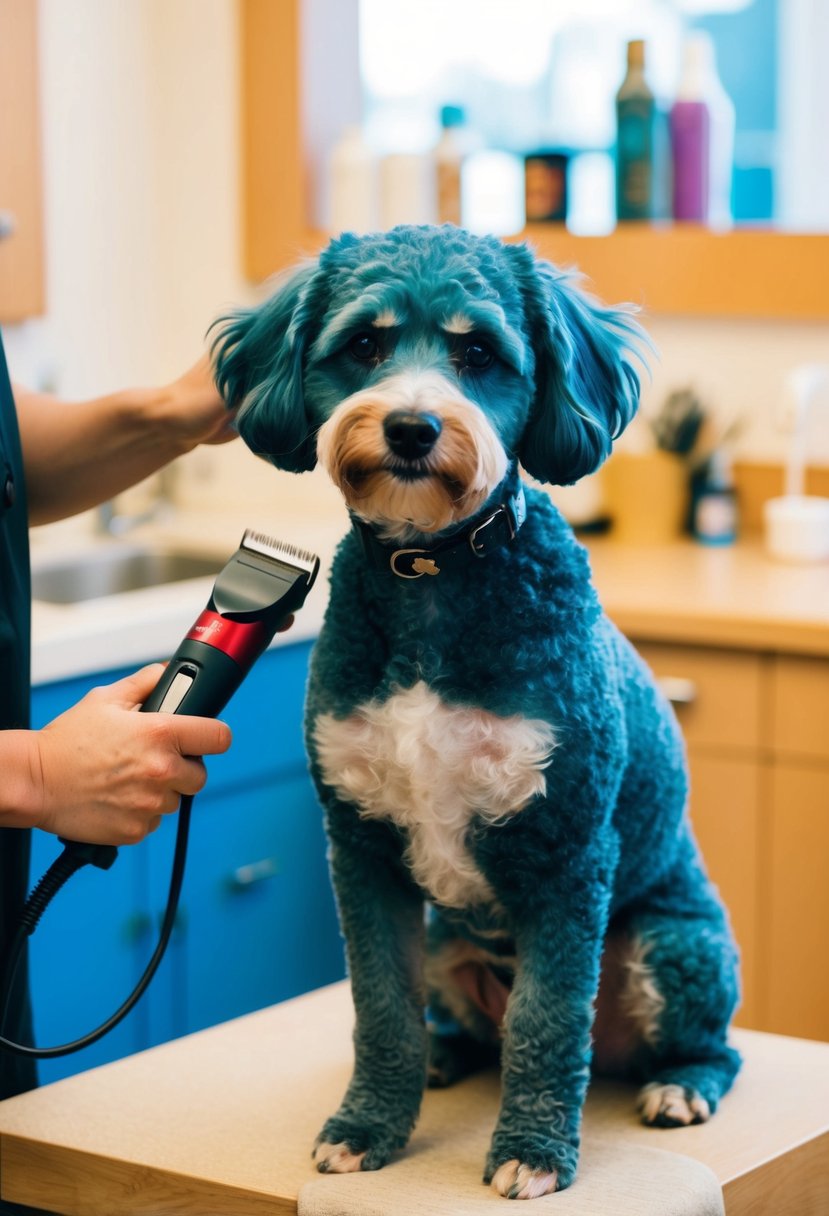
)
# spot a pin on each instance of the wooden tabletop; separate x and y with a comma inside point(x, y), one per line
point(223, 1122)
point(731, 596)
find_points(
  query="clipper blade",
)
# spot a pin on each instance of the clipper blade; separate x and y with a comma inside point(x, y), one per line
point(267, 546)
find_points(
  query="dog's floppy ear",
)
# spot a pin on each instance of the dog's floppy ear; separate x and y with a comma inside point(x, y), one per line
point(258, 359)
point(587, 390)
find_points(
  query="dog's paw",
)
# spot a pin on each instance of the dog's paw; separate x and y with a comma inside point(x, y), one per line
point(513, 1180)
point(345, 1146)
point(337, 1158)
point(662, 1105)
point(528, 1167)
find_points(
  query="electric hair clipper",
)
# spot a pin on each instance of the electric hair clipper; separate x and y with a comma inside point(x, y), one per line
point(262, 584)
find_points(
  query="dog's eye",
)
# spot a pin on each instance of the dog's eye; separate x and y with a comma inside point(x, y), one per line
point(364, 348)
point(478, 355)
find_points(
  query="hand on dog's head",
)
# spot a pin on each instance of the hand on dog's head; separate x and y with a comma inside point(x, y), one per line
point(417, 364)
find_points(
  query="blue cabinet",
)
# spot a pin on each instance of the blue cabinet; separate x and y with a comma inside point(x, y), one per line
point(257, 921)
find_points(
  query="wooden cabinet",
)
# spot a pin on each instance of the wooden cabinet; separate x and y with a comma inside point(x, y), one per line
point(722, 706)
point(724, 798)
point(798, 901)
point(798, 828)
point(800, 709)
point(757, 728)
point(21, 251)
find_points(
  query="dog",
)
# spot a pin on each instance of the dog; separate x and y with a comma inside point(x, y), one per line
point(484, 741)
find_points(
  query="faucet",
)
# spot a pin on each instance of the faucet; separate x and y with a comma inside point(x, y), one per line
point(112, 522)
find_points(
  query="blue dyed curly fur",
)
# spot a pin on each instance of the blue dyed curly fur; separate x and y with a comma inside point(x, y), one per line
point(602, 854)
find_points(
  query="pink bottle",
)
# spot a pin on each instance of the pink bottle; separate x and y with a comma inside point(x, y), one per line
point(690, 126)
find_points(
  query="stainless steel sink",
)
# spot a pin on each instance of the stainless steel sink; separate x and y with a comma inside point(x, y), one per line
point(112, 570)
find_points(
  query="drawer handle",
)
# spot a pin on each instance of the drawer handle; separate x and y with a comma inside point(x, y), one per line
point(245, 877)
point(678, 689)
point(140, 925)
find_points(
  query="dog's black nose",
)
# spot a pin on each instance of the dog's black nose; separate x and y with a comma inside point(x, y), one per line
point(410, 434)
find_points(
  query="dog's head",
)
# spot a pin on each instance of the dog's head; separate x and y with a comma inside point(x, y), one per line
point(417, 364)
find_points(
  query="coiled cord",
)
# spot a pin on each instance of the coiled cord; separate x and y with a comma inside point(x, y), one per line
point(74, 856)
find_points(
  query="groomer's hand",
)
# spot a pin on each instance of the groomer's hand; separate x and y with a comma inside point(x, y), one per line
point(193, 408)
point(105, 774)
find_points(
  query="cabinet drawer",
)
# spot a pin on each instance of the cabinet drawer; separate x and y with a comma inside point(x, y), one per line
point(720, 691)
point(258, 905)
point(797, 904)
point(800, 706)
point(724, 814)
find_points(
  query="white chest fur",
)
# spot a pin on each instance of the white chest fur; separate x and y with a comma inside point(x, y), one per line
point(431, 767)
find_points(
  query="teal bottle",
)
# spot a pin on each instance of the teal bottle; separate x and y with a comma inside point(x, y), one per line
point(636, 141)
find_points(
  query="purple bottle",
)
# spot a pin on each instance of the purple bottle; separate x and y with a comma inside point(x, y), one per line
point(690, 126)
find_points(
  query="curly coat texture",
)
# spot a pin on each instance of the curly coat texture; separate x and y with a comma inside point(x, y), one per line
point(486, 740)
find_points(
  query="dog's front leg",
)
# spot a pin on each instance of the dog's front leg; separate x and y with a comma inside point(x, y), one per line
point(546, 1049)
point(381, 912)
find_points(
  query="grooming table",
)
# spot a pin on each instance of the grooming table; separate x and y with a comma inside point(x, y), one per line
point(221, 1124)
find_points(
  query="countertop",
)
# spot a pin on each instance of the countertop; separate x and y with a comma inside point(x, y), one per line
point(678, 592)
point(735, 596)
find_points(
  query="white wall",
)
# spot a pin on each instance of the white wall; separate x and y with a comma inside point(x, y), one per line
point(740, 369)
point(140, 122)
point(141, 144)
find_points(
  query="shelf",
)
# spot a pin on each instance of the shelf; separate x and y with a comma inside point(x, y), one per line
point(672, 270)
point(691, 271)
point(679, 271)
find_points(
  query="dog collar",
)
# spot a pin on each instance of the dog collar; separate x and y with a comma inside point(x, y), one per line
point(496, 529)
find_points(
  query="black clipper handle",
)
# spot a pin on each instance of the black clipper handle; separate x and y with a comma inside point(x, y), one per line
point(199, 679)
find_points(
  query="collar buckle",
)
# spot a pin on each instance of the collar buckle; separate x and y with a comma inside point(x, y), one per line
point(510, 514)
point(479, 547)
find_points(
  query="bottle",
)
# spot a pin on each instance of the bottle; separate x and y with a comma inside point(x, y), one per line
point(690, 129)
point(352, 184)
point(714, 501)
point(722, 122)
point(407, 189)
point(493, 192)
point(545, 186)
point(636, 118)
point(449, 156)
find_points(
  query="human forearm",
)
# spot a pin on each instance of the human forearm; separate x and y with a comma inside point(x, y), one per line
point(81, 453)
point(19, 783)
point(78, 454)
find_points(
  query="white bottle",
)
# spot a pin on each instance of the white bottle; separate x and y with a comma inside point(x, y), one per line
point(407, 189)
point(352, 185)
point(493, 192)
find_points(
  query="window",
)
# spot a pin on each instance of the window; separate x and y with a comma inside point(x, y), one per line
point(533, 74)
